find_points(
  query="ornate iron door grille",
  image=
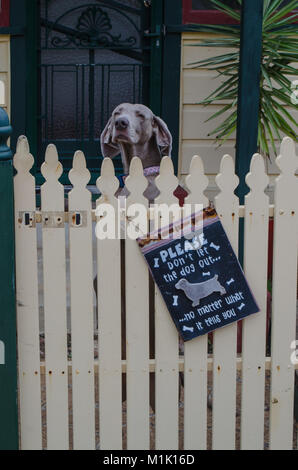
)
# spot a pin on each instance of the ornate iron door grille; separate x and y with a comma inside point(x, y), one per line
point(92, 57)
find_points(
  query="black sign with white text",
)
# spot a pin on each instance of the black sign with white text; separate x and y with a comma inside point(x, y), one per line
point(200, 279)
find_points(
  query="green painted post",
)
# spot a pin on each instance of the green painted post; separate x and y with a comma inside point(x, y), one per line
point(32, 20)
point(171, 72)
point(248, 97)
point(8, 361)
point(156, 56)
point(249, 89)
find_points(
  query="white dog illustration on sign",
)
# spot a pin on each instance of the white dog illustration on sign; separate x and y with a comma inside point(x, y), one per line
point(198, 291)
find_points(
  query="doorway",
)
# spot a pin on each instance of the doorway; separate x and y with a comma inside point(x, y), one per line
point(92, 56)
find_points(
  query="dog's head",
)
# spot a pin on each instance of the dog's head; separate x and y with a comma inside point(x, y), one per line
point(134, 124)
point(181, 284)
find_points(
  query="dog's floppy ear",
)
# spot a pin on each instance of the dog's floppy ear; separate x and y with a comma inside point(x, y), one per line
point(108, 149)
point(163, 136)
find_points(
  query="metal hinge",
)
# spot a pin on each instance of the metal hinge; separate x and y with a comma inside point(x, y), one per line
point(160, 30)
point(53, 219)
point(164, 29)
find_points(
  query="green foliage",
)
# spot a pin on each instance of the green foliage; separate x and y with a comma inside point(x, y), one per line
point(279, 52)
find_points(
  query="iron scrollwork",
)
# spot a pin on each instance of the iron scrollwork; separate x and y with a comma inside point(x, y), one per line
point(93, 29)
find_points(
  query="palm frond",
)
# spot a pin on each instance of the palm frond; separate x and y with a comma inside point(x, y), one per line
point(279, 53)
point(226, 9)
point(270, 6)
point(281, 13)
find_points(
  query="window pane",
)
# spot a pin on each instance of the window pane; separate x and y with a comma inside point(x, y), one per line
point(207, 5)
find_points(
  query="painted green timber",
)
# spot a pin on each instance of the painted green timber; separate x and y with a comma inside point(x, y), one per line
point(32, 74)
point(171, 73)
point(18, 70)
point(249, 89)
point(24, 71)
point(8, 362)
point(156, 56)
point(248, 98)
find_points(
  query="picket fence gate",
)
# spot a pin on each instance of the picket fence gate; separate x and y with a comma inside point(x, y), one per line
point(72, 383)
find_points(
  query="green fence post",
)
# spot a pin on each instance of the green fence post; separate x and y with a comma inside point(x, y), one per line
point(249, 89)
point(248, 97)
point(8, 361)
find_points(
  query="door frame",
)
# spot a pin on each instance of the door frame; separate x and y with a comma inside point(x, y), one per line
point(171, 65)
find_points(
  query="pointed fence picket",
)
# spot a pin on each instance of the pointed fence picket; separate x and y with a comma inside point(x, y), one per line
point(27, 299)
point(54, 276)
point(255, 267)
point(195, 352)
point(166, 351)
point(284, 288)
point(81, 292)
point(112, 265)
point(137, 318)
point(109, 317)
point(225, 339)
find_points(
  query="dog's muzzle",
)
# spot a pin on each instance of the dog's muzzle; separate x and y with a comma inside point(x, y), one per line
point(121, 124)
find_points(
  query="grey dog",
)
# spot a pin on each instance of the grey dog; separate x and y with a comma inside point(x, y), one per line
point(133, 130)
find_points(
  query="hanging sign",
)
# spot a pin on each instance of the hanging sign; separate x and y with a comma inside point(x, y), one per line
point(199, 276)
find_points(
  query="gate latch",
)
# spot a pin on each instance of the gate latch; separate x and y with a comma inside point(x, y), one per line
point(27, 219)
point(78, 219)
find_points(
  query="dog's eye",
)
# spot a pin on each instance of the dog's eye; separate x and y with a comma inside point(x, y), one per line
point(140, 115)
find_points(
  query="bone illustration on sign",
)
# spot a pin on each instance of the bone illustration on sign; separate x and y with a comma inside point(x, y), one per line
point(188, 328)
point(241, 306)
point(230, 281)
point(216, 247)
point(200, 290)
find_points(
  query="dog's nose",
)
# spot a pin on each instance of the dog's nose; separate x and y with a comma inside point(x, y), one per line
point(121, 123)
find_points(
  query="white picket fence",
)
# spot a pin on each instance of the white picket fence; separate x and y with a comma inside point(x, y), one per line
point(77, 403)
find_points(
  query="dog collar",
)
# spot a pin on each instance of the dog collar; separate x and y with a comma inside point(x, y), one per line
point(149, 171)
